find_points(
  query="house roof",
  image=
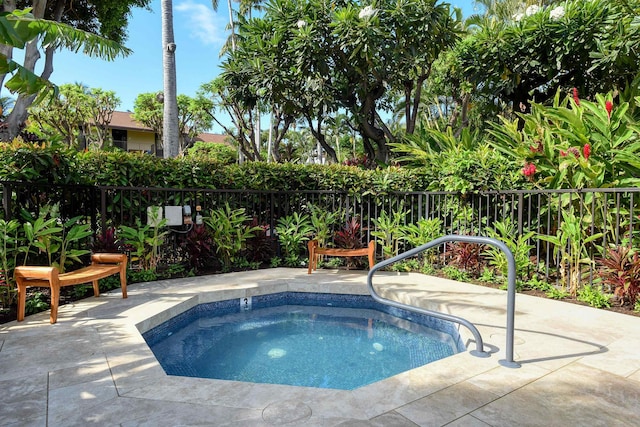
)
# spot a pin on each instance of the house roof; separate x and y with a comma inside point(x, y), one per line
point(123, 120)
point(212, 137)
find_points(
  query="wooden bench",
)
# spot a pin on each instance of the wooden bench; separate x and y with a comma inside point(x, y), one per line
point(102, 265)
point(315, 251)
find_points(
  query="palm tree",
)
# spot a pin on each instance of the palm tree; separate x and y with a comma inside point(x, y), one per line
point(170, 130)
point(23, 29)
point(6, 105)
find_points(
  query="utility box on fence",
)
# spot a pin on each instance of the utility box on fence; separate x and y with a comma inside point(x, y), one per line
point(173, 214)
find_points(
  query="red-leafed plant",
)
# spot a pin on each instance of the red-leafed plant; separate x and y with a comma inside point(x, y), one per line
point(261, 247)
point(107, 241)
point(620, 269)
point(467, 256)
point(198, 243)
point(349, 237)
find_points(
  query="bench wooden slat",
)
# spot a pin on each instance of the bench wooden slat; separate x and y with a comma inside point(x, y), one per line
point(103, 265)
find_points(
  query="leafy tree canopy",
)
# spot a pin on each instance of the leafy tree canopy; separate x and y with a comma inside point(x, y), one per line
point(193, 117)
point(80, 114)
point(591, 45)
point(108, 18)
point(315, 58)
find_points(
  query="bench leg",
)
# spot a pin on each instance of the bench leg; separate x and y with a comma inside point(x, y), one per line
point(372, 254)
point(96, 288)
point(22, 299)
point(312, 255)
point(123, 281)
point(55, 300)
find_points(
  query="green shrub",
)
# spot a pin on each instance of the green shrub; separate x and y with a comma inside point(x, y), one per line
point(594, 296)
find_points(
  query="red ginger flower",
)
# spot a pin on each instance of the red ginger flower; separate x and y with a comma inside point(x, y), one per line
point(576, 98)
point(586, 150)
point(609, 107)
point(529, 170)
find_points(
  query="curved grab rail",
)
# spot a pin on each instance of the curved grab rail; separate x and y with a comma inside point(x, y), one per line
point(511, 292)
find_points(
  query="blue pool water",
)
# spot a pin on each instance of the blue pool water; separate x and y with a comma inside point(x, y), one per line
point(329, 345)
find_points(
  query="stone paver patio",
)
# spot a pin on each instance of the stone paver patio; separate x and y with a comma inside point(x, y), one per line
point(579, 366)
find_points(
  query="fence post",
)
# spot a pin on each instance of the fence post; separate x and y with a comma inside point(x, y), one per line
point(6, 200)
point(103, 208)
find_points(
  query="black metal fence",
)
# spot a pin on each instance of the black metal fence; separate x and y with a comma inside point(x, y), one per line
point(612, 214)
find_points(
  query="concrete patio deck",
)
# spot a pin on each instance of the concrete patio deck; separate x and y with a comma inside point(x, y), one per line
point(579, 366)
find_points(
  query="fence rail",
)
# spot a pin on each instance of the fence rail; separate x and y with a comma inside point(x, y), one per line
point(613, 214)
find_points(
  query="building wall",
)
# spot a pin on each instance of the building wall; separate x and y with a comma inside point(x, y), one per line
point(140, 141)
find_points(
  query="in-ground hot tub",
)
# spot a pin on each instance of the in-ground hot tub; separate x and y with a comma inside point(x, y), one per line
point(298, 338)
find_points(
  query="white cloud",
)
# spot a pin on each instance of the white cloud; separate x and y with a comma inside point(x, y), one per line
point(203, 23)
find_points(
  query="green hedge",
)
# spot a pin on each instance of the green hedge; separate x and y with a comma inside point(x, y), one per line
point(56, 164)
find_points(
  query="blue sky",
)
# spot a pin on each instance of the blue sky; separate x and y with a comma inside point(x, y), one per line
point(199, 34)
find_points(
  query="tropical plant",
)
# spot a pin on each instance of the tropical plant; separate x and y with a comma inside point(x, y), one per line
point(73, 234)
point(465, 256)
point(38, 231)
point(594, 296)
point(573, 143)
point(80, 116)
point(620, 270)
point(322, 223)
point(145, 241)
point(421, 232)
point(10, 242)
point(592, 46)
point(388, 231)
point(570, 249)
point(107, 241)
point(198, 245)
point(293, 230)
point(35, 303)
point(453, 273)
point(350, 236)
point(518, 244)
point(555, 293)
point(261, 247)
point(229, 232)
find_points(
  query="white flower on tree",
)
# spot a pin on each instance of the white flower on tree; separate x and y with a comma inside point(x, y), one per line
point(517, 17)
point(556, 13)
point(532, 10)
point(367, 12)
point(301, 23)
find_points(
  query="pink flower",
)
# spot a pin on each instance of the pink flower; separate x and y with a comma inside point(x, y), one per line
point(529, 170)
point(576, 98)
point(609, 107)
point(586, 150)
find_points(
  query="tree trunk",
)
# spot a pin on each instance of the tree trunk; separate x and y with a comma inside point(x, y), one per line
point(8, 6)
point(317, 133)
point(232, 26)
point(170, 131)
point(16, 119)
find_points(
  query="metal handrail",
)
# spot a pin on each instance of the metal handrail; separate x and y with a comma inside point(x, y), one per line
point(511, 292)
